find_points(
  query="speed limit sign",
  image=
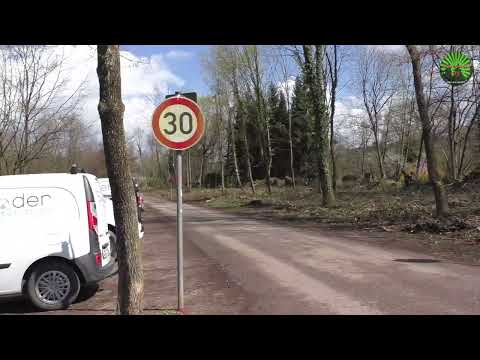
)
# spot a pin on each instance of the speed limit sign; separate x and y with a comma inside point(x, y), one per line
point(178, 123)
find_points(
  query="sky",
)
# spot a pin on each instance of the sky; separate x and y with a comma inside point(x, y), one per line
point(146, 69)
point(183, 60)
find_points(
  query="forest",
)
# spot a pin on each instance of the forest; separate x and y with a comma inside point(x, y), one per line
point(272, 116)
point(335, 133)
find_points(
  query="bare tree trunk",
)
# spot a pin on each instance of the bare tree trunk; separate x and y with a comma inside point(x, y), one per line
point(334, 80)
point(451, 138)
point(244, 130)
point(477, 148)
point(220, 138)
point(290, 143)
point(172, 171)
point(157, 158)
point(407, 137)
point(332, 149)
point(385, 143)
point(314, 78)
point(377, 91)
point(138, 139)
point(140, 155)
point(385, 140)
point(247, 157)
point(438, 188)
point(400, 161)
point(364, 149)
point(419, 157)
point(222, 170)
point(405, 154)
point(467, 137)
point(269, 154)
point(373, 118)
point(111, 109)
point(363, 160)
point(186, 171)
point(189, 168)
point(286, 79)
point(234, 151)
point(169, 172)
point(200, 178)
point(264, 119)
point(379, 156)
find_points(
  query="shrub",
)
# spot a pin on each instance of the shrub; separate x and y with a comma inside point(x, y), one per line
point(349, 178)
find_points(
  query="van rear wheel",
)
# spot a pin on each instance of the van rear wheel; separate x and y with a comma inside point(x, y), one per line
point(53, 285)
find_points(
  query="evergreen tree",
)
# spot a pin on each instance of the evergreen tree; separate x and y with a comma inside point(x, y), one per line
point(255, 139)
point(302, 131)
point(279, 132)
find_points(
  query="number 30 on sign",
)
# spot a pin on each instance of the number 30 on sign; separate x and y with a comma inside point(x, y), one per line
point(178, 123)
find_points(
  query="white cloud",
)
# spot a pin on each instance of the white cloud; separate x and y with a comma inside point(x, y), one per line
point(349, 106)
point(349, 111)
point(141, 77)
point(391, 49)
point(287, 86)
point(178, 55)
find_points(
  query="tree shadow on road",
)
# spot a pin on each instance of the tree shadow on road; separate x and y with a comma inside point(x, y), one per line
point(17, 306)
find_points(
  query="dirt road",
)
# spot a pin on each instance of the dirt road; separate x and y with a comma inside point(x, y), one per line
point(239, 265)
point(296, 270)
point(207, 288)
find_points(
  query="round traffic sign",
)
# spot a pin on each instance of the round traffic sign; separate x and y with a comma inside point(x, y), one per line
point(178, 123)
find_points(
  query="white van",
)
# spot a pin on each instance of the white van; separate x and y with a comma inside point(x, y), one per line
point(53, 237)
point(105, 187)
point(107, 193)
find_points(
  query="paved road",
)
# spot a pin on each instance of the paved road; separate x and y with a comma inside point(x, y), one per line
point(296, 270)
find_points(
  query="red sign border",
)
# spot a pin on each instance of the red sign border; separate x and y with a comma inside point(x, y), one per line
point(181, 100)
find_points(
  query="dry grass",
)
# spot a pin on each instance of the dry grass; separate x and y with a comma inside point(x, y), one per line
point(354, 205)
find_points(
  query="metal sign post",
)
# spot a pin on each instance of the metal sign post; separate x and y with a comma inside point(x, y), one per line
point(178, 124)
point(179, 231)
